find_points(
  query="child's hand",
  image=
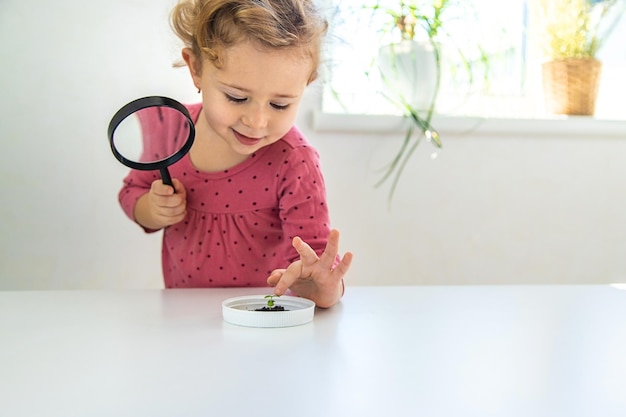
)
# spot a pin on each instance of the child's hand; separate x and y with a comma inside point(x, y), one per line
point(161, 206)
point(311, 276)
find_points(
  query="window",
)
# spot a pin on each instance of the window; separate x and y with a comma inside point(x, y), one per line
point(508, 86)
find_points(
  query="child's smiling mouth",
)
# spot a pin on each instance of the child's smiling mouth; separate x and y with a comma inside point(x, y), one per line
point(246, 140)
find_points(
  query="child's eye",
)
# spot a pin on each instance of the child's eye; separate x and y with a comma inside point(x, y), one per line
point(238, 100)
point(234, 99)
point(279, 106)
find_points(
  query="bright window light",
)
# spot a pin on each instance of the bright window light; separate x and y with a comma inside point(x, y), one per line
point(505, 32)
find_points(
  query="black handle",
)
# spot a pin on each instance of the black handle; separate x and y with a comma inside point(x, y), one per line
point(165, 176)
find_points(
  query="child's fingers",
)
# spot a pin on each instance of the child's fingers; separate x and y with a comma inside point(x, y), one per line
point(288, 278)
point(178, 186)
point(160, 189)
point(344, 265)
point(275, 277)
point(331, 250)
point(307, 254)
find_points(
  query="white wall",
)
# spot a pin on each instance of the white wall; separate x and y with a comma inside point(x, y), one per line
point(514, 209)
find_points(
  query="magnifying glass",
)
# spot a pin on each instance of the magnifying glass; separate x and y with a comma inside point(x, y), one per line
point(151, 133)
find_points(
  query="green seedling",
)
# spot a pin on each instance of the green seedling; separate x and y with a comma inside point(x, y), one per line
point(271, 304)
point(270, 300)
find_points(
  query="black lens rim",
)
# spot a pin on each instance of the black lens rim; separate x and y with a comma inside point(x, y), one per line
point(142, 103)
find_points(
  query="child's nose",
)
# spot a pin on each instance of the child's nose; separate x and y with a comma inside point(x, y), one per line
point(256, 118)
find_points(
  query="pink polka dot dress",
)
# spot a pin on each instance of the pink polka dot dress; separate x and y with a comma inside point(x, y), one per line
point(240, 222)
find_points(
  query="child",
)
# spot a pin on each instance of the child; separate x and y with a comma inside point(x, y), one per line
point(248, 207)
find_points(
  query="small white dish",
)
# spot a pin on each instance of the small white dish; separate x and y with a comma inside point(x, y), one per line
point(242, 311)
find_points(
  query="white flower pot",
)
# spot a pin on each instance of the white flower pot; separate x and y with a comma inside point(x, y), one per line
point(409, 72)
point(248, 311)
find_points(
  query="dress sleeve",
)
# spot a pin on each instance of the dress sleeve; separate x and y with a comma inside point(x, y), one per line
point(136, 184)
point(302, 205)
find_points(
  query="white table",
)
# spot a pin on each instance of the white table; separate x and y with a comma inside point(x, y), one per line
point(503, 351)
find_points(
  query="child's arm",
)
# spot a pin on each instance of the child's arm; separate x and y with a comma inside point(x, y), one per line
point(313, 277)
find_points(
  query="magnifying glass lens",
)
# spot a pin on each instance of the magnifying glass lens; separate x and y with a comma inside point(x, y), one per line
point(151, 133)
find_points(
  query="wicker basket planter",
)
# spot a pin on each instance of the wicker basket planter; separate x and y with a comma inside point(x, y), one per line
point(570, 85)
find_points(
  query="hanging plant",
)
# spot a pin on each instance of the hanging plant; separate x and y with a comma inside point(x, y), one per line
point(410, 21)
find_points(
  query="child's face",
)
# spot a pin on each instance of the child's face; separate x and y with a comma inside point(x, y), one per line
point(253, 99)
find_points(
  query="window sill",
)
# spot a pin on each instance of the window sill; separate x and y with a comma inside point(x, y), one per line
point(576, 126)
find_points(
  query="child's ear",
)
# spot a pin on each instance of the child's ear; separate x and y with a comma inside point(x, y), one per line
point(194, 64)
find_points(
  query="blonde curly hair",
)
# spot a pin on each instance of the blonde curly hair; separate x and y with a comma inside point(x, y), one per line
point(210, 26)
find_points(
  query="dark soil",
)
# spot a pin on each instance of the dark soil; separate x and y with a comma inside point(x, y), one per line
point(275, 308)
